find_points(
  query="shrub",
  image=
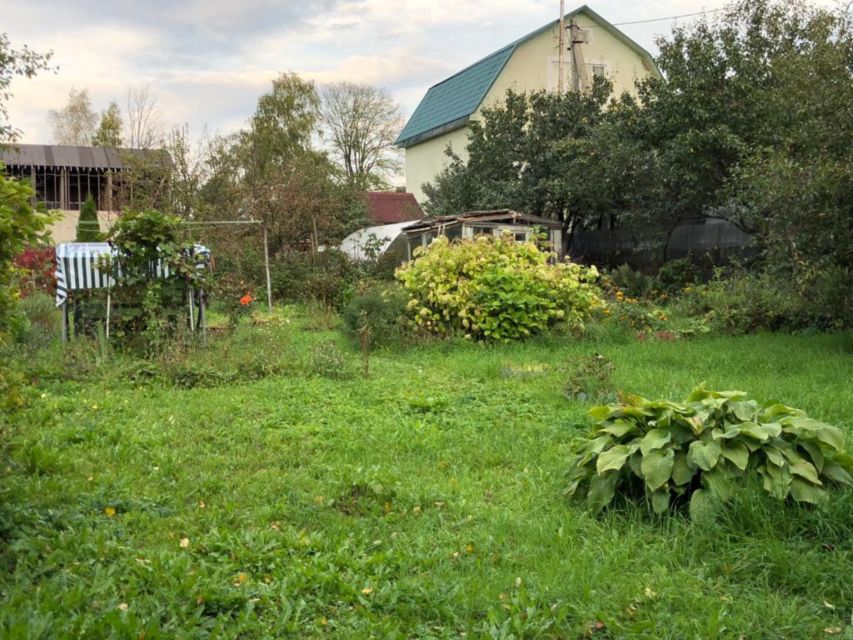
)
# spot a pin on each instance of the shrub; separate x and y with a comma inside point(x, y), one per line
point(744, 302)
point(675, 275)
point(149, 310)
point(635, 284)
point(328, 277)
point(705, 448)
point(88, 227)
point(36, 270)
point(380, 309)
point(41, 318)
point(495, 289)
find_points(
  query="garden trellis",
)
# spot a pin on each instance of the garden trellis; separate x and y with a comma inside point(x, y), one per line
point(80, 267)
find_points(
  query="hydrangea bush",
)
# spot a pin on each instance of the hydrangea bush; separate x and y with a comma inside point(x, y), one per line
point(494, 288)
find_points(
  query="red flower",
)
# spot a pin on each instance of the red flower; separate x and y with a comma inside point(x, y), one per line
point(246, 299)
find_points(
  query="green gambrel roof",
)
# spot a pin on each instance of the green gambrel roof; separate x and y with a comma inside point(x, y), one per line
point(449, 104)
point(456, 98)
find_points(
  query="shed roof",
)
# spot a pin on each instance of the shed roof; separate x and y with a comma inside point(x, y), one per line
point(498, 216)
point(58, 155)
point(354, 245)
point(393, 206)
point(449, 104)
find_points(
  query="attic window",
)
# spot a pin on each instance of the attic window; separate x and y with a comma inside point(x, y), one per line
point(598, 70)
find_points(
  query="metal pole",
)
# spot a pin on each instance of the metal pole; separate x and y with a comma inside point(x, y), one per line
point(267, 267)
point(562, 46)
point(191, 295)
point(65, 321)
point(109, 306)
point(202, 319)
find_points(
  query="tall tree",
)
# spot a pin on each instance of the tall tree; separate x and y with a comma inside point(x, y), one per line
point(190, 169)
point(271, 172)
point(75, 123)
point(16, 62)
point(525, 154)
point(109, 130)
point(144, 130)
point(361, 123)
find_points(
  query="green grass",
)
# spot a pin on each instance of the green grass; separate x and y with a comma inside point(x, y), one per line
point(425, 501)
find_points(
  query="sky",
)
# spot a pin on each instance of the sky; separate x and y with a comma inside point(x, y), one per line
point(209, 60)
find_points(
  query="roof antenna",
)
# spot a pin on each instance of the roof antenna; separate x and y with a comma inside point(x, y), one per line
point(561, 45)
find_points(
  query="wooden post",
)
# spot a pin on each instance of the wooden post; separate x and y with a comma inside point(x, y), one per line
point(267, 267)
point(65, 321)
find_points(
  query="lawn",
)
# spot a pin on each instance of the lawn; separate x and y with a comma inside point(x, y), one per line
point(298, 498)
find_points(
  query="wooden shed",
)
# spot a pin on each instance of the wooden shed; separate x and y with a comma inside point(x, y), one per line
point(469, 225)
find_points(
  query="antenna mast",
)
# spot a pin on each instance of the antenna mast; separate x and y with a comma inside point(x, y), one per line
point(561, 45)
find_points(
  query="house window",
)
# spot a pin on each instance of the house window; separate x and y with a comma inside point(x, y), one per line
point(553, 74)
point(598, 70)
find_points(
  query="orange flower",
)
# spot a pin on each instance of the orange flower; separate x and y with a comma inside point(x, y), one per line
point(246, 299)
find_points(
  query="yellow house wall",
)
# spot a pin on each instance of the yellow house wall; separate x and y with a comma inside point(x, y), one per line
point(425, 161)
point(527, 70)
point(65, 229)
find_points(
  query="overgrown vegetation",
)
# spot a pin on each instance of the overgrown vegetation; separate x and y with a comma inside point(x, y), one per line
point(155, 272)
point(262, 487)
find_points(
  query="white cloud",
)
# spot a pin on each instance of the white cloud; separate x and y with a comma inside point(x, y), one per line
point(211, 59)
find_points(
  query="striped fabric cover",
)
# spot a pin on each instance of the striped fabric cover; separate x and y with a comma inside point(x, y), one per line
point(77, 267)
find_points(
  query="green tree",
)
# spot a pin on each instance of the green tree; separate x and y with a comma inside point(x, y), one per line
point(88, 229)
point(523, 155)
point(74, 124)
point(109, 129)
point(271, 172)
point(23, 62)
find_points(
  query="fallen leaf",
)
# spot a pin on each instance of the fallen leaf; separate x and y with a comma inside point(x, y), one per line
point(367, 591)
point(185, 543)
point(123, 606)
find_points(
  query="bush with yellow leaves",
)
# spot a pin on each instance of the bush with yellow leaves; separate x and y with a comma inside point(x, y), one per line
point(493, 288)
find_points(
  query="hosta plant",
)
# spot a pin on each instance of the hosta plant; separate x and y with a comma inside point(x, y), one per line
point(706, 447)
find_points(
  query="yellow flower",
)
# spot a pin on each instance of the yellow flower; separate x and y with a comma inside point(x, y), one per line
point(367, 591)
point(110, 511)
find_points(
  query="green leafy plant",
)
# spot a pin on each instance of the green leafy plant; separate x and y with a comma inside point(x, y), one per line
point(705, 448)
point(380, 309)
point(149, 301)
point(494, 288)
point(677, 274)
